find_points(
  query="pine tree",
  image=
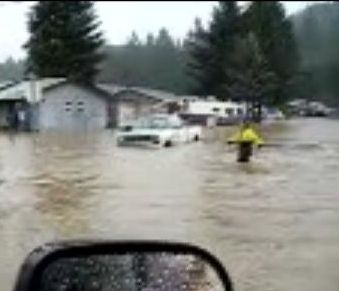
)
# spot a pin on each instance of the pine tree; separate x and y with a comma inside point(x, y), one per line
point(276, 39)
point(11, 70)
point(249, 77)
point(150, 40)
point(211, 50)
point(134, 40)
point(224, 30)
point(316, 33)
point(156, 62)
point(165, 61)
point(199, 56)
point(65, 40)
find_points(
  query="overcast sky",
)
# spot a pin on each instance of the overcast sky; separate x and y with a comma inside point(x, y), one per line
point(118, 18)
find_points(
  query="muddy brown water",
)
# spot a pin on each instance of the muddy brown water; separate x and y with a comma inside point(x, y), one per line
point(274, 223)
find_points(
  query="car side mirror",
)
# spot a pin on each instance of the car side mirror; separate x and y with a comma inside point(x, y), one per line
point(106, 266)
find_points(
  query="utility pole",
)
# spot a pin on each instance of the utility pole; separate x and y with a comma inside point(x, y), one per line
point(34, 106)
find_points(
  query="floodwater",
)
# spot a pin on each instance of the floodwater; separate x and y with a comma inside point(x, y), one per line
point(274, 223)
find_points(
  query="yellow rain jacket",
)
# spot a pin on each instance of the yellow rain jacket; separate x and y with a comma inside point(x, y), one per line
point(247, 135)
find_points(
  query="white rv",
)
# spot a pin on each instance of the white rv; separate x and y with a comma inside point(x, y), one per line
point(225, 112)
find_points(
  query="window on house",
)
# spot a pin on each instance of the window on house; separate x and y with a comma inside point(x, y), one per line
point(215, 109)
point(80, 106)
point(68, 105)
point(240, 111)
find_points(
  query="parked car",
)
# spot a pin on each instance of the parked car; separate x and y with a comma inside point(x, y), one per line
point(160, 129)
point(272, 114)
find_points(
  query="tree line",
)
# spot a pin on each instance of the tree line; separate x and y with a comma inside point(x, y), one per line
point(253, 52)
point(247, 54)
point(156, 62)
point(318, 41)
point(12, 70)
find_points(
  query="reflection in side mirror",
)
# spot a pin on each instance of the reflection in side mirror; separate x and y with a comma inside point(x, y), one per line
point(131, 272)
point(131, 267)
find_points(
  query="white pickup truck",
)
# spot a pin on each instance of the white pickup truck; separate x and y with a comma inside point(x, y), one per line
point(160, 129)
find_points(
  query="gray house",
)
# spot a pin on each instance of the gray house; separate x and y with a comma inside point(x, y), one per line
point(57, 104)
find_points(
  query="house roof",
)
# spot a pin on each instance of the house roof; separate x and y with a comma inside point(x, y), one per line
point(49, 83)
point(6, 84)
point(157, 95)
point(21, 90)
point(44, 83)
point(12, 91)
point(97, 90)
point(53, 85)
point(112, 89)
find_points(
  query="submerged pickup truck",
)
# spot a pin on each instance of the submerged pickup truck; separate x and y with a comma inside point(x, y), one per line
point(161, 129)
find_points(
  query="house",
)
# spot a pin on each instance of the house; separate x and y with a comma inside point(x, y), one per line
point(135, 102)
point(55, 103)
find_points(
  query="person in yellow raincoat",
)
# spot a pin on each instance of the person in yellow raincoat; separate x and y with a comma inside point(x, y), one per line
point(245, 138)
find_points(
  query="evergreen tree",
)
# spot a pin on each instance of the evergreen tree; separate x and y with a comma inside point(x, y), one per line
point(211, 50)
point(276, 39)
point(134, 40)
point(199, 58)
point(150, 40)
point(11, 70)
point(249, 77)
point(65, 40)
point(223, 33)
point(164, 39)
point(156, 62)
point(165, 62)
point(316, 33)
point(249, 55)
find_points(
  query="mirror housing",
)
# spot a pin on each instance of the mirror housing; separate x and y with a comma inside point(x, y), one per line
point(31, 272)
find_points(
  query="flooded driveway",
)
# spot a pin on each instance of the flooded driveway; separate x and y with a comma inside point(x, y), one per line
point(273, 222)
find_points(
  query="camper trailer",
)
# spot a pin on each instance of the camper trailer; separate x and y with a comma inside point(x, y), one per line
point(224, 113)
